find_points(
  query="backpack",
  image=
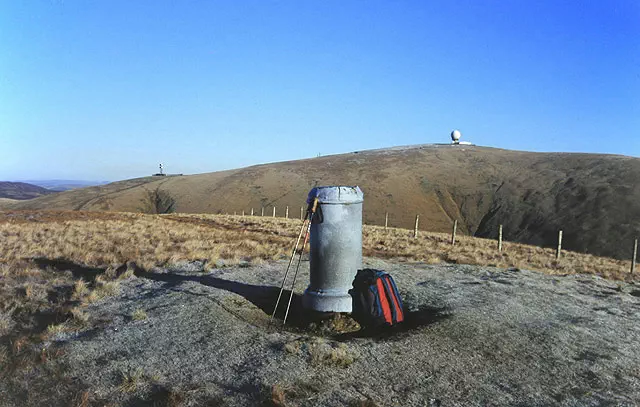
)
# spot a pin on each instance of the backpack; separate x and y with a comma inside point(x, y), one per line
point(375, 299)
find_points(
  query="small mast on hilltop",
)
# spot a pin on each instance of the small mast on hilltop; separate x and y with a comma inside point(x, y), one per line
point(160, 174)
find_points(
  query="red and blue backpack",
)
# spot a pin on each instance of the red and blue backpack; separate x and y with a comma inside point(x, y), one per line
point(375, 298)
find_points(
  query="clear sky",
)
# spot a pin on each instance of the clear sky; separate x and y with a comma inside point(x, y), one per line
point(105, 90)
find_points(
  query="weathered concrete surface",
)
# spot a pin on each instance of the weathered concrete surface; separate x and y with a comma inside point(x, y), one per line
point(476, 336)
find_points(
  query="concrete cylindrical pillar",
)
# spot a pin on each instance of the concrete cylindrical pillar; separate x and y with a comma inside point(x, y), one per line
point(336, 248)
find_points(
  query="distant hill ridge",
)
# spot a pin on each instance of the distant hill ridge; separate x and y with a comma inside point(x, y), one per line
point(593, 198)
point(21, 190)
point(64, 184)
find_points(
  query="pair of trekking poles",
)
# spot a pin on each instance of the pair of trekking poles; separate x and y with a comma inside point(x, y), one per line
point(306, 224)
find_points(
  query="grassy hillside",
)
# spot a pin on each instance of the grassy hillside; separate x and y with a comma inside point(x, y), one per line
point(595, 199)
point(21, 190)
point(109, 239)
point(64, 184)
point(7, 201)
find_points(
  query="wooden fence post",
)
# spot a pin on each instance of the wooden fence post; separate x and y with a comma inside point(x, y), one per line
point(274, 211)
point(635, 254)
point(559, 249)
point(415, 228)
point(286, 213)
point(386, 220)
point(453, 234)
point(500, 239)
point(251, 211)
point(301, 213)
point(262, 211)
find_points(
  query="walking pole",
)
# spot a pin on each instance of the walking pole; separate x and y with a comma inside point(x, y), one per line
point(295, 275)
point(293, 253)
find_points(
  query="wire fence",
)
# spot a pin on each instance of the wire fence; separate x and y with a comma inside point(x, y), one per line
point(416, 231)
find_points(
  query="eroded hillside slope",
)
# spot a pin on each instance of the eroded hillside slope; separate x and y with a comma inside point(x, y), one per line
point(21, 190)
point(595, 199)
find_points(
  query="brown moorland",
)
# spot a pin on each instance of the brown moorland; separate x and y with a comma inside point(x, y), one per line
point(109, 240)
point(593, 198)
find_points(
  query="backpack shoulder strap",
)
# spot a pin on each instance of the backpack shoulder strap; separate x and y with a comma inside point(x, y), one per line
point(394, 299)
point(383, 298)
point(393, 306)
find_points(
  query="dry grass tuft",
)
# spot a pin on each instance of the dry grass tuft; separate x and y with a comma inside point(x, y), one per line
point(28, 290)
point(104, 288)
point(285, 394)
point(139, 315)
point(339, 323)
point(90, 298)
point(56, 329)
point(19, 344)
point(82, 399)
point(129, 273)
point(293, 347)
point(80, 289)
point(34, 292)
point(4, 355)
point(129, 381)
point(320, 352)
point(278, 396)
point(79, 316)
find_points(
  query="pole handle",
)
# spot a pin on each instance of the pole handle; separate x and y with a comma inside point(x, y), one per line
point(314, 205)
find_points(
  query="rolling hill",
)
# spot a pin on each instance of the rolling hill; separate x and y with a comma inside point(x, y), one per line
point(21, 190)
point(593, 198)
point(64, 184)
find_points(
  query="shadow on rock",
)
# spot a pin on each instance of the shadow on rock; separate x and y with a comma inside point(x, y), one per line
point(78, 271)
point(263, 297)
point(422, 317)
point(339, 326)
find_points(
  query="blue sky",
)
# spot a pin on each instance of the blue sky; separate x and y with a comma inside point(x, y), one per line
point(106, 90)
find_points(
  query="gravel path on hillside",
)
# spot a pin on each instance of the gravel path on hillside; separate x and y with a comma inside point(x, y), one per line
point(476, 336)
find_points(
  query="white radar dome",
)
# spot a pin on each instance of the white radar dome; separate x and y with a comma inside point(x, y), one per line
point(455, 136)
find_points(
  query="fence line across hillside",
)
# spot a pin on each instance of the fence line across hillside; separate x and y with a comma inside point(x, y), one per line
point(558, 252)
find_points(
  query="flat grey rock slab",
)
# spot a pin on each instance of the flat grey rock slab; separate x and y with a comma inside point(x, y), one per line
point(476, 336)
